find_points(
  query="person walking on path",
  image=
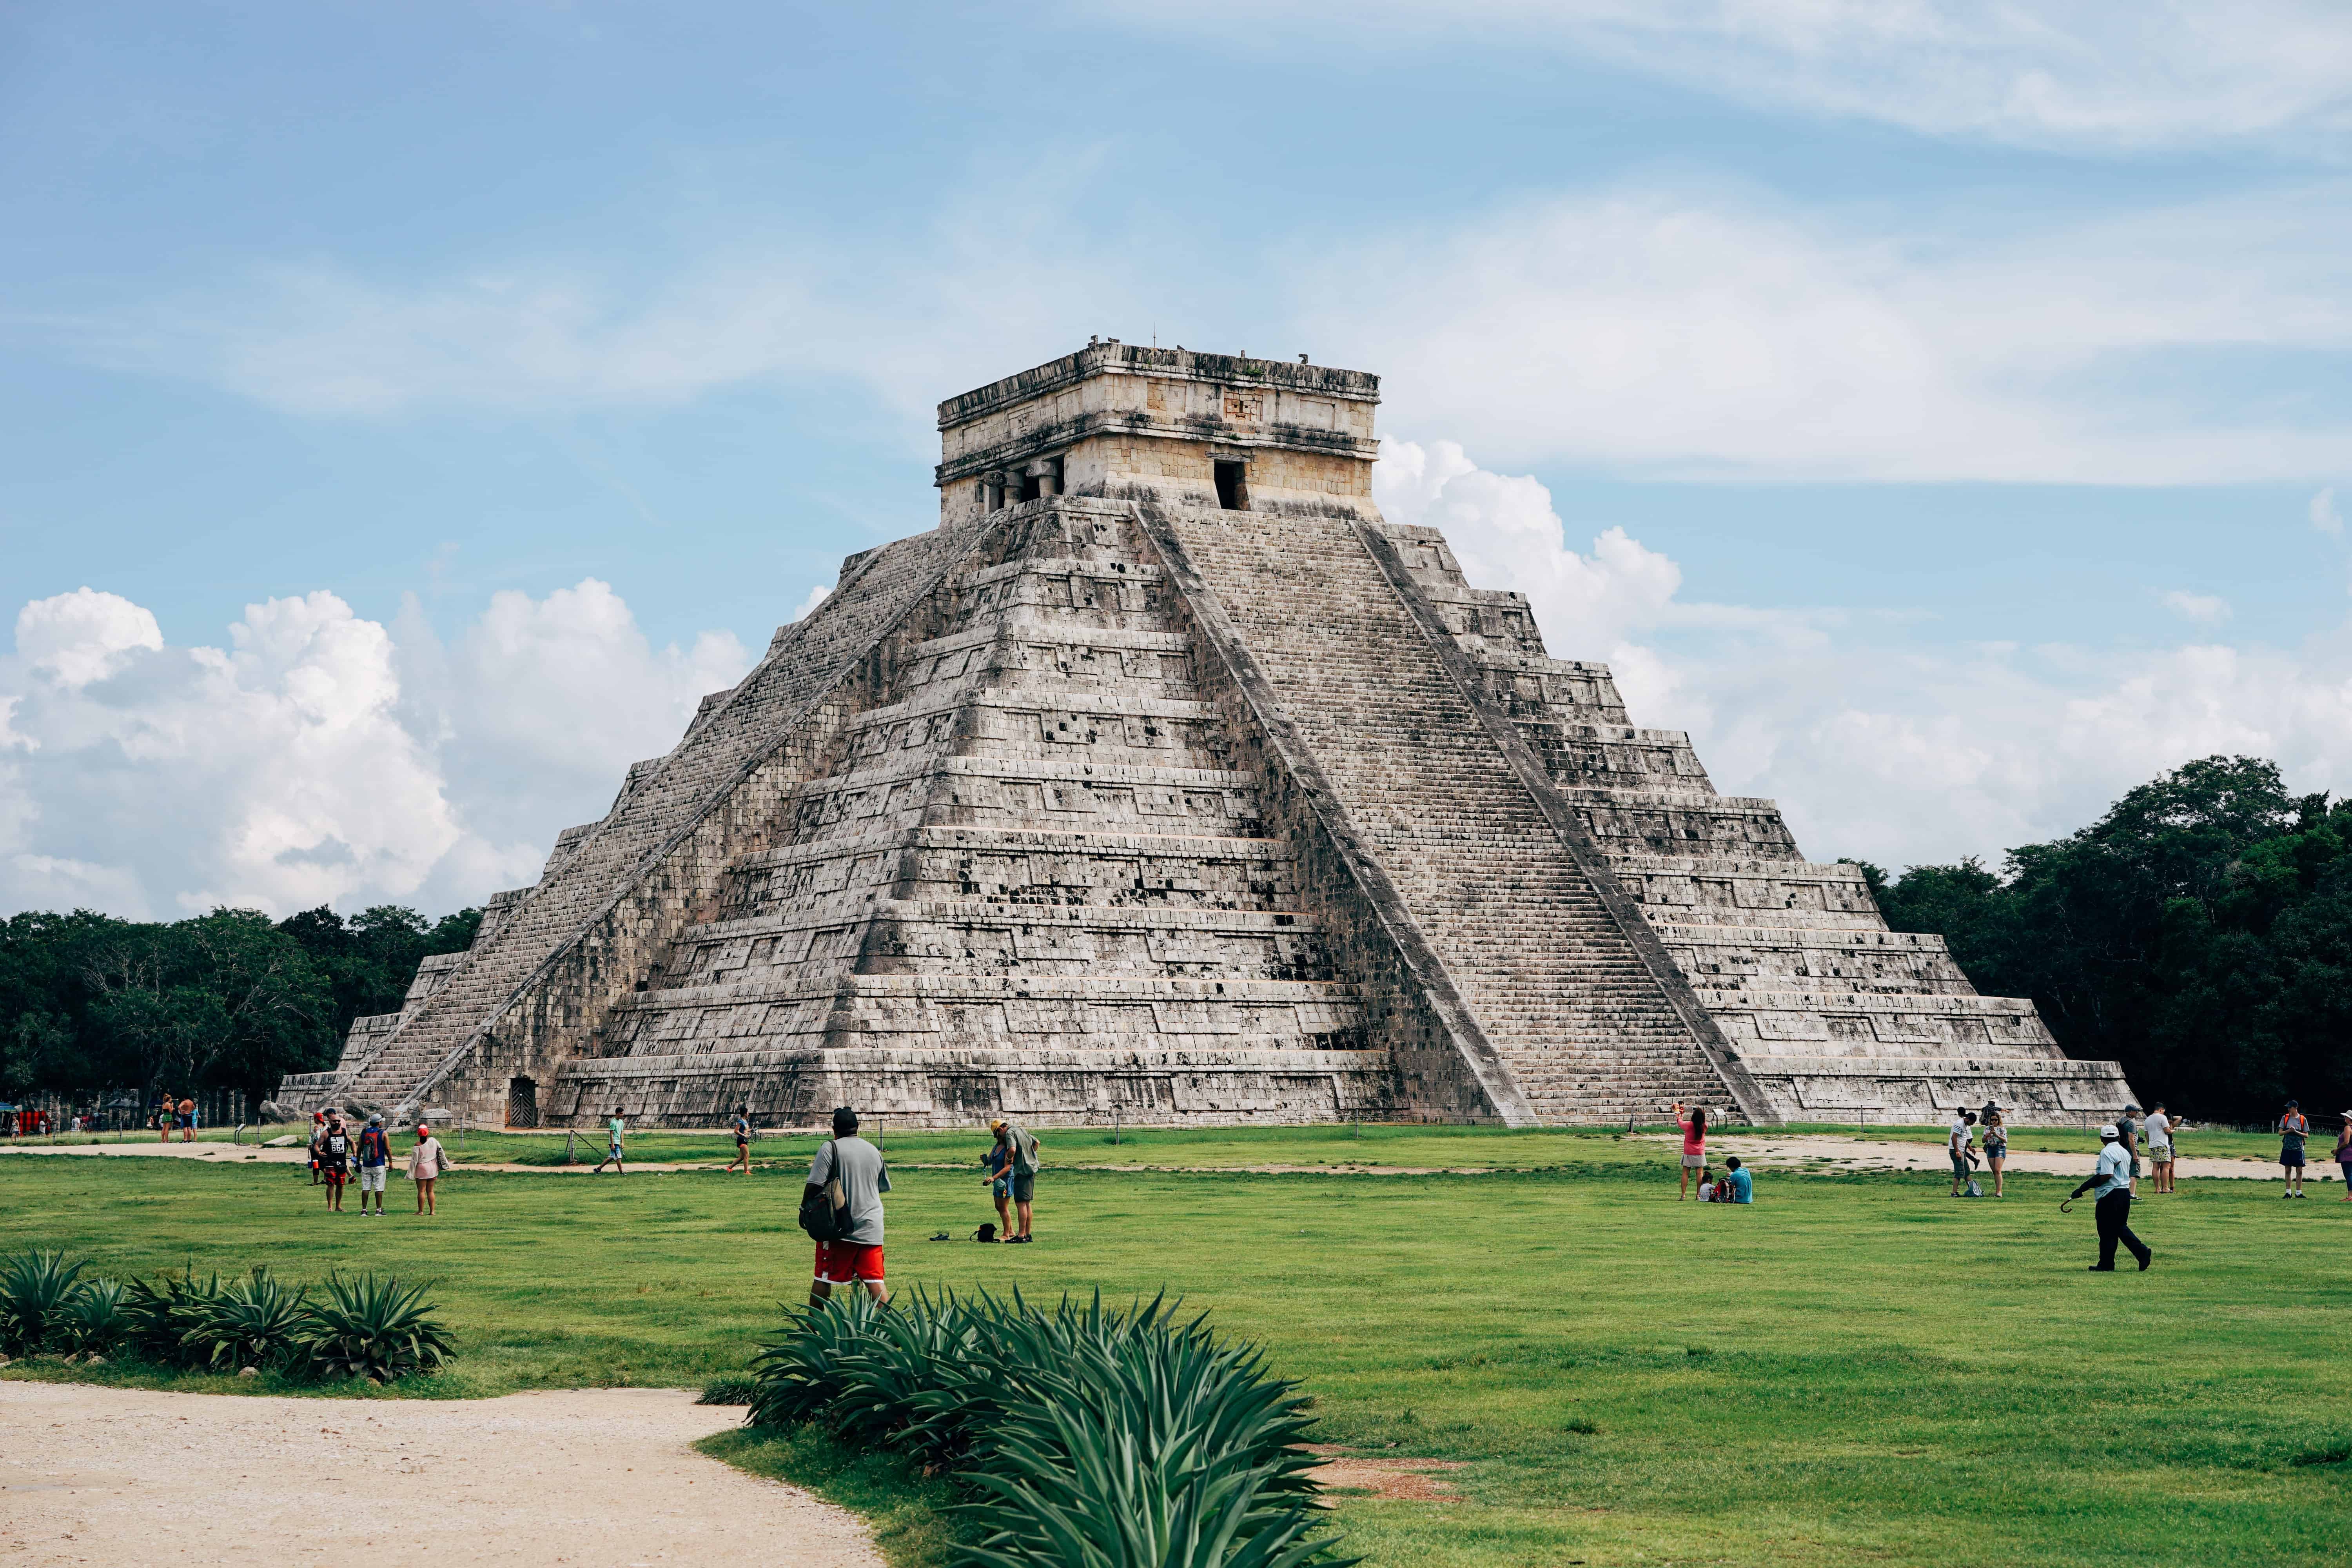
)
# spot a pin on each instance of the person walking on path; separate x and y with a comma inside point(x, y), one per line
point(427, 1163)
point(2113, 1181)
point(1023, 1170)
point(2294, 1128)
point(997, 1166)
point(2344, 1154)
point(1959, 1143)
point(376, 1163)
point(613, 1131)
point(2159, 1147)
point(742, 1141)
point(1694, 1128)
point(848, 1173)
point(335, 1160)
point(1995, 1143)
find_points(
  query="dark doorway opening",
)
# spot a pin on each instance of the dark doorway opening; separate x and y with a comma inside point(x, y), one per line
point(522, 1102)
point(1032, 486)
point(1232, 485)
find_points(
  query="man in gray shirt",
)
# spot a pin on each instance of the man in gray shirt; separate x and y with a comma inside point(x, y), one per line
point(856, 1166)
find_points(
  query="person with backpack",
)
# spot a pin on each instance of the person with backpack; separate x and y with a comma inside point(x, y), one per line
point(376, 1163)
point(841, 1208)
point(1694, 1128)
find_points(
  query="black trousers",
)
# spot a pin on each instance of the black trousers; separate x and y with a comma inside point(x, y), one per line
point(2115, 1226)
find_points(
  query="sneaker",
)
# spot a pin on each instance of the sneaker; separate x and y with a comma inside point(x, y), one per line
point(2146, 1261)
point(2103, 1269)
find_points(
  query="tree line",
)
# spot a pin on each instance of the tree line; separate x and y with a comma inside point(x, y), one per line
point(227, 1000)
point(2199, 934)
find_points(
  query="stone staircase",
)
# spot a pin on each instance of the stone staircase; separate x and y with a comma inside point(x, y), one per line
point(1578, 1017)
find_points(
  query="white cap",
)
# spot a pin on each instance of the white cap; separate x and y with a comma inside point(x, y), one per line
point(2109, 1131)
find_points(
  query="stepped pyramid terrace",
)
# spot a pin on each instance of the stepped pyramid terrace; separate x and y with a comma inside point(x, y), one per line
point(1164, 780)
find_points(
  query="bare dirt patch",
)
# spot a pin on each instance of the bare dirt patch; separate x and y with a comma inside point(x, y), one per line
point(1414, 1480)
point(596, 1477)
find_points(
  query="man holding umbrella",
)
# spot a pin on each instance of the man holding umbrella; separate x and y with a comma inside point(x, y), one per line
point(2113, 1181)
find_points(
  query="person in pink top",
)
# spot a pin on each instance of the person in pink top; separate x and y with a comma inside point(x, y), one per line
point(1694, 1128)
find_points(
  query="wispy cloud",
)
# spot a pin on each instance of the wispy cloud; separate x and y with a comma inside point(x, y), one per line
point(2324, 516)
point(2042, 72)
point(2206, 608)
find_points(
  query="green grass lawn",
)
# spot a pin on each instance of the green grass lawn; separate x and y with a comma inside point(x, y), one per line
point(1855, 1369)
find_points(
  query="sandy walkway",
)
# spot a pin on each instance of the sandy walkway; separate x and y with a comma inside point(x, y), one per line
point(1865, 1155)
point(599, 1477)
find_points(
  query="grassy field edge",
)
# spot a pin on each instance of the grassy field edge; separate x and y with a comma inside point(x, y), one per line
point(912, 1516)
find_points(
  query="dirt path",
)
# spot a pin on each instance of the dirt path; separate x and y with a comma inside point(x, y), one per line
point(1866, 1155)
point(597, 1478)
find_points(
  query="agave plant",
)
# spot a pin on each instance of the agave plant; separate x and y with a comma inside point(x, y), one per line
point(91, 1321)
point(373, 1328)
point(252, 1322)
point(35, 1287)
point(161, 1315)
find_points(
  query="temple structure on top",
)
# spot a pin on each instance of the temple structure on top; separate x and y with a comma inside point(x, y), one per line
point(1164, 780)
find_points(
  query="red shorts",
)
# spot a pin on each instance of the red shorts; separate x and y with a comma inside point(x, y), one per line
point(843, 1262)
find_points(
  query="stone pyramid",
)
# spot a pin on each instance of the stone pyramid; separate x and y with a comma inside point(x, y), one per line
point(1164, 780)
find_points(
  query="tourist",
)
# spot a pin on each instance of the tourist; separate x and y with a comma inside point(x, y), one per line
point(1995, 1143)
point(317, 1144)
point(187, 1122)
point(2294, 1128)
point(1959, 1143)
point(427, 1163)
point(335, 1160)
point(166, 1108)
point(2159, 1147)
point(849, 1162)
point(742, 1141)
point(613, 1130)
point(998, 1165)
point(1022, 1171)
point(1736, 1186)
point(2113, 1179)
point(1706, 1184)
point(376, 1163)
point(1694, 1128)
point(2127, 1134)
point(2344, 1154)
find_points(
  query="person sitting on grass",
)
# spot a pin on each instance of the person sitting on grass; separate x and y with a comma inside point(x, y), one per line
point(613, 1130)
point(849, 1162)
point(1706, 1184)
point(997, 1165)
point(1736, 1186)
point(1694, 1128)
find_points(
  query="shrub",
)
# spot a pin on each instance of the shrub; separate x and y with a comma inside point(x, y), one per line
point(35, 1287)
point(1104, 1437)
point(159, 1314)
point(373, 1328)
point(254, 1321)
point(91, 1322)
point(728, 1388)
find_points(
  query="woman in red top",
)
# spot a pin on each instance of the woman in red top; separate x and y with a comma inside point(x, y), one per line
point(1694, 1128)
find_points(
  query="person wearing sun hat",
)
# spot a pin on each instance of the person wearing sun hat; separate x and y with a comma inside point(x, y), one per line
point(2113, 1181)
point(426, 1162)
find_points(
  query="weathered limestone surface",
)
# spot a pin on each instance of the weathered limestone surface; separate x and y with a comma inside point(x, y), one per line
point(1163, 780)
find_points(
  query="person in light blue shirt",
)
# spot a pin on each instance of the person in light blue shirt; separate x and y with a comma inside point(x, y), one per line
point(1742, 1186)
point(2113, 1182)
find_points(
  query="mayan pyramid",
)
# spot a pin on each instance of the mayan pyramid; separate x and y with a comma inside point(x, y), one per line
point(1164, 780)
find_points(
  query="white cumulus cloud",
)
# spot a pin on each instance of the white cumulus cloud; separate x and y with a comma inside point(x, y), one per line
point(316, 757)
point(1891, 750)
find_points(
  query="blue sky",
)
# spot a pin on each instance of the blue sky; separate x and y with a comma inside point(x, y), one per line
point(1938, 411)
